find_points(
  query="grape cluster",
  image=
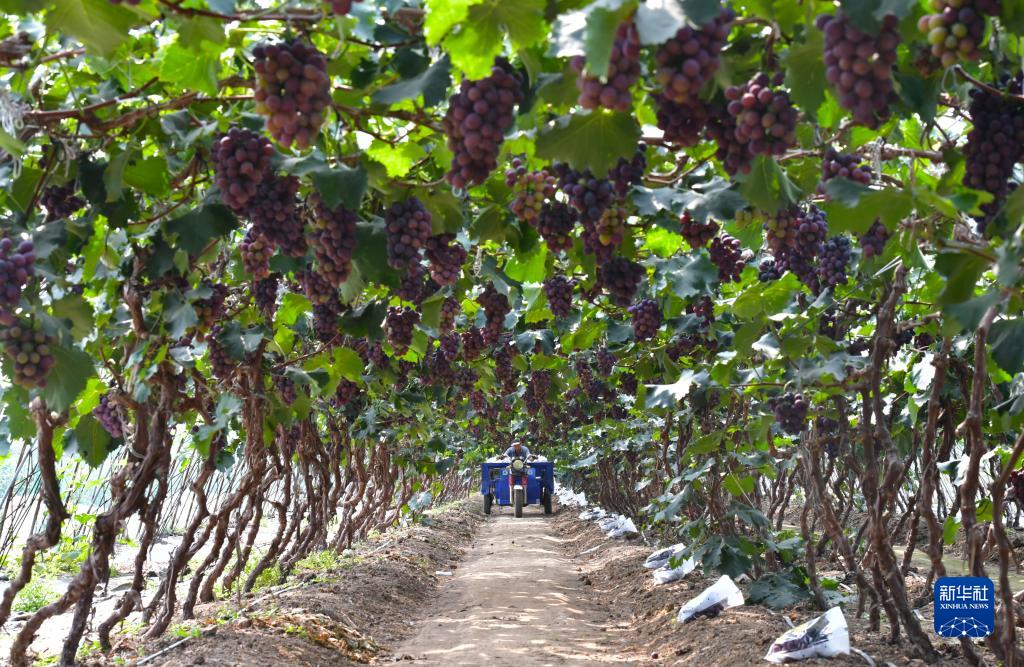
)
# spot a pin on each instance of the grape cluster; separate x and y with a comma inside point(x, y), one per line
point(696, 233)
point(264, 293)
point(555, 224)
point(108, 414)
point(325, 321)
point(627, 173)
point(17, 266)
point(496, 307)
point(704, 309)
point(476, 121)
point(449, 345)
point(793, 231)
point(409, 225)
point(769, 270)
point(605, 361)
point(558, 290)
point(623, 71)
point(221, 363)
point(790, 412)
point(843, 165)
point(210, 310)
point(860, 66)
point(728, 256)
point(284, 387)
point(957, 30)
point(274, 212)
point(629, 383)
point(686, 344)
point(687, 60)
point(293, 90)
point(765, 118)
point(610, 230)
point(734, 154)
point(449, 309)
point(833, 262)
point(995, 143)
point(446, 258)
point(341, 7)
point(30, 350)
point(583, 371)
point(334, 242)
point(803, 268)
point(646, 319)
point(873, 242)
point(530, 189)
point(399, 325)
point(60, 201)
point(316, 288)
point(256, 252)
point(539, 385)
point(241, 160)
point(346, 392)
point(828, 324)
point(1016, 486)
point(472, 343)
point(682, 122)
point(621, 277)
point(589, 195)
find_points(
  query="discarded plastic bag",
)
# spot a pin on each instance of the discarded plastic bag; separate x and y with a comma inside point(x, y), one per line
point(668, 574)
point(715, 599)
point(822, 637)
point(660, 558)
point(592, 514)
point(621, 527)
point(606, 523)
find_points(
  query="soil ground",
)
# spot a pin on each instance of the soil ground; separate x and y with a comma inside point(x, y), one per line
point(466, 589)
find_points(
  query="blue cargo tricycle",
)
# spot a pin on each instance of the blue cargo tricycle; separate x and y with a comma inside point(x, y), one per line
point(517, 482)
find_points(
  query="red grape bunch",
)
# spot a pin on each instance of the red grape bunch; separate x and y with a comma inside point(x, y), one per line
point(108, 414)
point(646, 319)
point(704, 310)
point(621, 277)
point(284, 387)
point(843, 165)
point(555, 224)
point(211, 309)
point(293, 90)
point(31, 352)
point(325, 321)
point(409, 225)
point(682, 123)
point(446, 258)
point(589, 195)
point(317, 289)
point(496, 307)
point(623, 71)
point(241, 160)
point(449, 310)
point(264, 294)
point(415, 286)
point(873, 242)
point(790, 412)
point(256, 252)
point(17, 267)
point(611, 228)
point(696, 233)
point(60, 201)
point(476, 121)
point(221, 363)
point(558, 290)
point(1016, 486)
point(530, 188)
point(399, 326)
point(833, 262)
point(504, 371)
point(728, 256)
point(346, 392)
point(449, 344)
point(995, 143)
point(274, 212)
point(765, 118)
point(629, 383)
point(957, 29)
point(734, 154)
point(334, 242)
point(793, 231)
point(605, 361)
point(472, 343)
point(341, 7)
point(860, 65)
point(687, 60)
point(769, 270)
point(627, 173)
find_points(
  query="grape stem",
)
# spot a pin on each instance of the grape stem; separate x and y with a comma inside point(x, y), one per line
point(986, 87)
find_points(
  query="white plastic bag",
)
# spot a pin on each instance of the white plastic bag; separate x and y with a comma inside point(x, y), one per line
point(661, 557)
point(592, 514)
point(623, 528)
point(668, 574)
point(822, 637)
point(608, 522)
point(715, 599)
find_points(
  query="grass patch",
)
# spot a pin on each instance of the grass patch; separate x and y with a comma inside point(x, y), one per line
point(328, 559)
point(36, 595)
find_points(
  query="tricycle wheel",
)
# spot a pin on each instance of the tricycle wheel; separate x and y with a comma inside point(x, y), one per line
point(488, 499)
point(519, 493)
point(547, 501)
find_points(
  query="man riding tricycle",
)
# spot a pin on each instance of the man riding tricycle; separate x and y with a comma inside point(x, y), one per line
point(517, 478)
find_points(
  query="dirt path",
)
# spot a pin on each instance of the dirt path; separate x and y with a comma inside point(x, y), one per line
point(516, 600)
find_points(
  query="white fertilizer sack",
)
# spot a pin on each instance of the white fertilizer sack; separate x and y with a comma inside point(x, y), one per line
point(822, 637)
point(660, 558)
point(715, 599)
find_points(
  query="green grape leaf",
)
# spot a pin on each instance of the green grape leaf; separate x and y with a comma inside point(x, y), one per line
point(594, 140)
point(432, 83)
point(71, 370)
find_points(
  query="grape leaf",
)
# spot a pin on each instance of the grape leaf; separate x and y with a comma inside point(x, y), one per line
point(71, 370)
point(594, 140)
point(432, 84)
